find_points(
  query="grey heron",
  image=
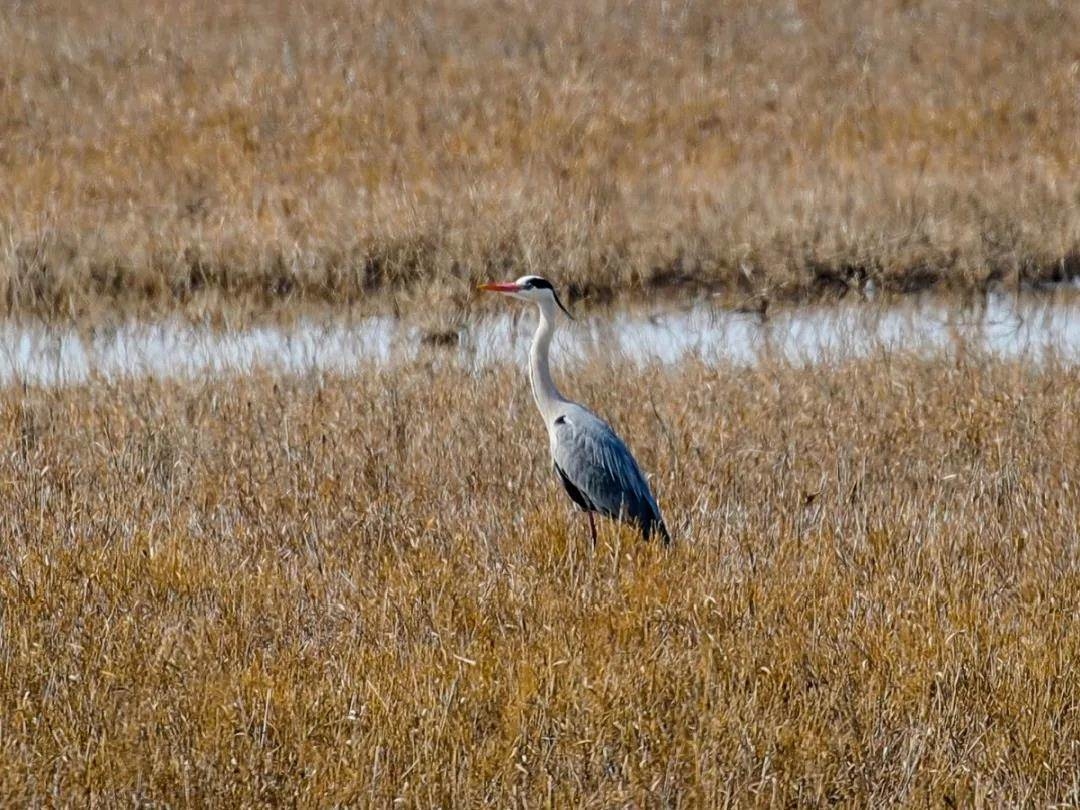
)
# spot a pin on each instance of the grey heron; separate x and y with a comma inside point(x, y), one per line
point(595, 467)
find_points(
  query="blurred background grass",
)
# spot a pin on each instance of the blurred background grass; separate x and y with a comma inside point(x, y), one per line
point(231, 157)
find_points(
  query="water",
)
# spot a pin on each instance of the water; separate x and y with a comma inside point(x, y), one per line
point(1031, 328)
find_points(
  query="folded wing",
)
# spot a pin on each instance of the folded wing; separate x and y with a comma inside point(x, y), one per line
point(599, 472)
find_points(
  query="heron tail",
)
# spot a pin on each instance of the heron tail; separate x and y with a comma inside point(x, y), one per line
point(664, 533)
point(658, 526)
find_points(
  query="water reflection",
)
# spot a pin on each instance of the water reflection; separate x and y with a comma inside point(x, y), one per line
point(1031, 328)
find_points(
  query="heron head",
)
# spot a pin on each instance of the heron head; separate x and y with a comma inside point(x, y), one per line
point(529, 288)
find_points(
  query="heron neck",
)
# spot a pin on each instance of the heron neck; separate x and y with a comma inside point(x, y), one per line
point(545, 393)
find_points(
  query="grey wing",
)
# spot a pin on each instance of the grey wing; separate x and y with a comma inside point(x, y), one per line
point(593, 461)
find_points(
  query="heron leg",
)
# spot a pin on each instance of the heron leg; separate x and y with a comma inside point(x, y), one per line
point(592, 528)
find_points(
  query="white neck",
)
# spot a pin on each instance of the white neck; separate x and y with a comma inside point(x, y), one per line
point(547, 396)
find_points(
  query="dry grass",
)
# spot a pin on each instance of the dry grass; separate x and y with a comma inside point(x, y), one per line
point(353, 590)
point(229, 156)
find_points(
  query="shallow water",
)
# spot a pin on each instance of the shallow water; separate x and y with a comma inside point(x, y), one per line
point(1031, 328)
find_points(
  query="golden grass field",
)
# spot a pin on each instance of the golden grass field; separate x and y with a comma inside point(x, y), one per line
point(368, 590)
point(231, 157)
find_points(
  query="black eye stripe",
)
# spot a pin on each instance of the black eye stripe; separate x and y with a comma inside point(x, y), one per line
point(539, 284)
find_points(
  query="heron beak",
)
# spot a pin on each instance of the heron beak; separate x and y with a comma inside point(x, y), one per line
point(501, 287)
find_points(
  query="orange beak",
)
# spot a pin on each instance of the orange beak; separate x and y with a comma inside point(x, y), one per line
point(501, 287)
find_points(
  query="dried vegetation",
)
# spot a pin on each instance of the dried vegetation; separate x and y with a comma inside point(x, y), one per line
point(342, 591)
point(231, 156)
